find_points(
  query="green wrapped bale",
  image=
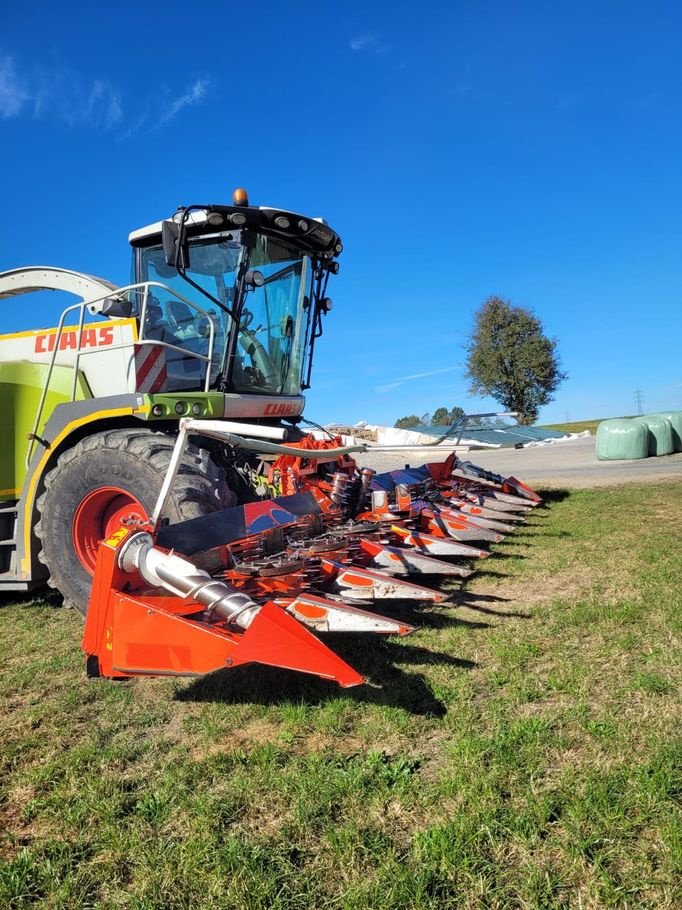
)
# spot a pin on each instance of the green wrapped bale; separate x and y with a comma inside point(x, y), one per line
point(660, 433)
point(675, 418)
point(620, 439)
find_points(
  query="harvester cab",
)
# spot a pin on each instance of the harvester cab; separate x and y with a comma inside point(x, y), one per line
point(236, 295)
point(156, 472)
point(220, 321)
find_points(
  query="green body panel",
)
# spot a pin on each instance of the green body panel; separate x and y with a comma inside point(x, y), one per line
point(212, 404)
point(21, 385)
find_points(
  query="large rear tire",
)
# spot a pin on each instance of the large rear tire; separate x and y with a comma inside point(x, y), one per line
point(106, 478)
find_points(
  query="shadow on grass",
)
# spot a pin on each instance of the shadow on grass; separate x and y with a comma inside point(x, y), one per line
point(432, 619)
point(42, 597)
point(490, 573)
point(549, 496)
point(536, 531)
point(378, 660)
point(464, 598)
point(497, 554)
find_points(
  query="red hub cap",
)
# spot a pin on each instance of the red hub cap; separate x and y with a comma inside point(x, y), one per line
point(101, 513)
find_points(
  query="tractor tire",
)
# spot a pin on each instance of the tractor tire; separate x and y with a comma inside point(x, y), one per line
point(107, 477)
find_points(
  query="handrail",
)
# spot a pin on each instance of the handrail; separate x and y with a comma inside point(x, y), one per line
point(81, 306)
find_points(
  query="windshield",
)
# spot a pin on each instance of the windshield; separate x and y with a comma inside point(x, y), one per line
point(271, 339)
point(267, 356)
point(214, 264)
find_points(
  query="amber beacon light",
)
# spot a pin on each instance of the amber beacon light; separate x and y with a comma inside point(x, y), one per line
point(240, 196)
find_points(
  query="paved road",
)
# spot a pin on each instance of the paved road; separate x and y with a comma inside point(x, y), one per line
point(565, 464)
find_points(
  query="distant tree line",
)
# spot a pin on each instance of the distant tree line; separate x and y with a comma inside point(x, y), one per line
point(441, 417)
point(444, 418)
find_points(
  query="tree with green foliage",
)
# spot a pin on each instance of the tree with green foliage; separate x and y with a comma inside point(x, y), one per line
point(444, 417)
point(512, 360)
point(441, 417)
point(407, 423)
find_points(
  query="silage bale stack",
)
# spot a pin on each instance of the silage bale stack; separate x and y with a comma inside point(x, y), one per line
point(660, 433)
point(675, 418)
point(629, 438)
point(622, 438)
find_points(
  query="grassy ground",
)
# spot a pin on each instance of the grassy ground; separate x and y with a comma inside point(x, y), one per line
point(576, 426)
point(522, 750)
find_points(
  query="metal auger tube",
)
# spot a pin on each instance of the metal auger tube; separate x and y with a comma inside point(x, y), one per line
point(341, 493)
point(367, 475)
point(180, 577)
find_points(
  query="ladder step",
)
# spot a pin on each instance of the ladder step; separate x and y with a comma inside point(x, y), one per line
point(8, 543)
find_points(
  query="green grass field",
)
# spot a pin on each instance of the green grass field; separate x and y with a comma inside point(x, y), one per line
point(576, 426)
point(522, 750)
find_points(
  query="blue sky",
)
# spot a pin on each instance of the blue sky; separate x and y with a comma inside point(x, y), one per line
point(527, 149)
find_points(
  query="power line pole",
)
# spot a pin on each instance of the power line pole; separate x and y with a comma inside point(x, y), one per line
point(639, 401)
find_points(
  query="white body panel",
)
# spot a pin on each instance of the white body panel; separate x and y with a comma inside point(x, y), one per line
point(49, 278)
point(106, 358)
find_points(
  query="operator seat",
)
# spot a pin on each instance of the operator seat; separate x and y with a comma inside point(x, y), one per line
point(155, 326)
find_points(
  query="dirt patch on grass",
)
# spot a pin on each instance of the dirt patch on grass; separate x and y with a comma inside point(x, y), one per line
point(255, 733)
point(16, 832)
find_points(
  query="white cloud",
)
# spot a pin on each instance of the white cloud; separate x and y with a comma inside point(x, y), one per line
point(368, 42)
point(382, 389)
point(13, 93)
point(389, 387)
point(64, 95)
point(189, 97)
point(104, 102)
point(135, 125)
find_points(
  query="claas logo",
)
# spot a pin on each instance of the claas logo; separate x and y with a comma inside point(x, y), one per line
point(280, 410)
point(91, 338)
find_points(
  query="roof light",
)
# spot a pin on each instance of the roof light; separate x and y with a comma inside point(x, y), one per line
point(302, 224)
point(254, 278)
point(282, 222)
point(338, 248)
point(237, 218)
point(215, 219)
point(240, 196)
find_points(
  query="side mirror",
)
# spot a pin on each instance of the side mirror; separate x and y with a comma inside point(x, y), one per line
point(113, 307)
point(170, 237)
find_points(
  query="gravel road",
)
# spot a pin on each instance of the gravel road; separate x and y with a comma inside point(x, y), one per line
point(572, 463)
